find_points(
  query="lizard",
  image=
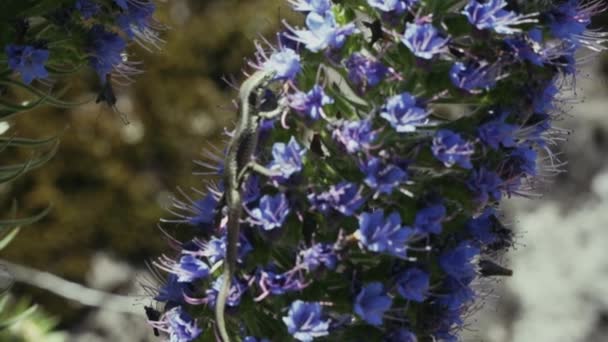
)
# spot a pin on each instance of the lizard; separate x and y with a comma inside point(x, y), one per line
point(238, 161)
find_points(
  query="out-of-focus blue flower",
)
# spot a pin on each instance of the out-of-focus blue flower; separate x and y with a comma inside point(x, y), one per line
point(491, 15)
point(344, 197)
point(451, 149)
point(474, 77)
point(203, 212)
point(355, 136)
point(382, 177)
point(136, 19)
point(317, 6)
point(272, 212)
point(521, 162)
point(496, 133)
point(304, 321)
point(424, 40)
point(237, 289)
point(457, 263)
point(124, 4)
point(315, 256)
point(28, 61)
point(569, 20)
point(381, 235)
point(481, 227)
point(285, 62)
point(372, 302)
point(287, 159)
point(402, 112)
point(106, 50)
point(413, 284)
point(365, 71)
point(458, 294)
point(392, 6)
point(402, 335)
point(180, 326)
point(322, 32)
point(485, 184)
point(428, 220)
point(311, 103)
point(529, 48)
point(543, 102)
point(191, 268)
point(87, 8)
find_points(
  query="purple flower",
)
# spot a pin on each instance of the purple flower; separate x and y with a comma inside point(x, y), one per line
point(87, 8)
point(481, 227)
point(428, 220)
point(365, 71)
point(402, 335)
point(355, 136)
point(485, 184)
point(424, 40)
point(456, 262)
point(449, 148)
point(317, 6)
point(380, 177)
point(237, 289)
point(122, 4)
point(381, 235)
point(272, 212)
point(285, 62)
point(404, 115)
point(180, 326)
point(323, 32)
point(251, 189)
point(529, 48)
point(413, 284)
point(393, 6)
point(569, 21)
point(372, 302)
point(215, 249)
point(497, 133)
point(172, 291)
point(311, 103)
point(474, 76)
point(319, 254)
point(279, 284)
point(28, 61)
point(191, 268)
point(287, 159)
point(344, 197)
point(543, 102)
point(137, 19)
point(106, 49)
point(202, 211)
point(521, 162)
point(304, 322)
point(491, 15)
point(458, 294)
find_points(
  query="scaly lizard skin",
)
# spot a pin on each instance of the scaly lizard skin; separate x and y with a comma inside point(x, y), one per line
point(238, 160)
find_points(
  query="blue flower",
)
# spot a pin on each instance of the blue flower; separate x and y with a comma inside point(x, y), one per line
point(424, 40)
point(180, 326)
point(372, 302)
point(521, 162)
point(529, 48)
point(319, 254)
point(317, 6)
point(381, 177)
point(237, 289)
point(191, 268)
point(254, 339)
point(106, 50)
point(491, 15)
point(402, 335)
point(87, 8)
point(402, 112)
point(365, 71)
point(203, 211)
point(272, 212)
point(392, 6)
point(304, 322)
point(497, 133)
point(355, 136)
point(287, 159)
point(474, 76)
point(252, 189)
point(124, 4)
point(311, 103)
point(285, 62)
point(485, 184)
point(458, 294)
point(136, 19)
point(428, 220)
point(28, 61)
point(344, 197)
point(215, 249)
point(569, 21)
point(381, 235)
point(449, 148)
point(413, 284)
point(481, 227)
point(279, 284)
point(173, 291)
point(543, 102)
point(457, 263)
point(323, 32)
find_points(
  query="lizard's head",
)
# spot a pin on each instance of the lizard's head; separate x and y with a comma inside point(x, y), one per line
point(257, 92)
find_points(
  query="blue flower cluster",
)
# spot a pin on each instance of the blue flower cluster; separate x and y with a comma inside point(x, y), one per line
point(99, 33)
point(381, 213)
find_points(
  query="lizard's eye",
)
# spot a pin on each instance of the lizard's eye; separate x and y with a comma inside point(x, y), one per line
point(253, 99)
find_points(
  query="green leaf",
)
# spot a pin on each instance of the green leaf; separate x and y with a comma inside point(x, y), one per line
point(8, 238)
point(10, 223)
point(15, 319)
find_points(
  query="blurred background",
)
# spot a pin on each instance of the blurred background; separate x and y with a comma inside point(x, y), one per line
point(109, 182)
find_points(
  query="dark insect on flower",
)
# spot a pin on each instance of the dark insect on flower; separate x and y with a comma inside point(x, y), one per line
point(153, 315)
point(489, 268)
point(106, 95)
point(375, 28)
